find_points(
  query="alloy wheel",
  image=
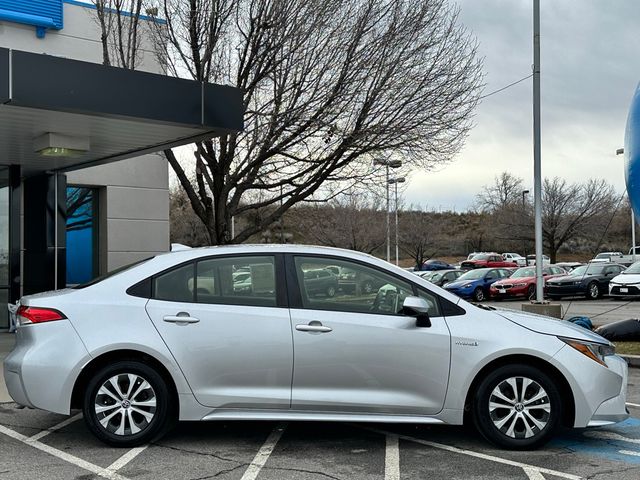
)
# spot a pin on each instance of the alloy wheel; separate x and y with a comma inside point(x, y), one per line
point(125, 404)
point(594, 292)
point(519, 407)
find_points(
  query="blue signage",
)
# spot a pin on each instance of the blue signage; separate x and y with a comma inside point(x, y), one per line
point(42, 14)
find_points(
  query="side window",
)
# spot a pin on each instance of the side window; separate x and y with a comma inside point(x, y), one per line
point(236, 281)
point(357, 288)
point(492, 275)
point(432, 300)
point(175, 285)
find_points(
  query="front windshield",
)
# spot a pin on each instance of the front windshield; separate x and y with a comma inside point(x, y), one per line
point(635, 268)
point(524, 272)
point(435, 277)
point(603, 255)
point(480, 256)
point(472, 275)
point(587, 270)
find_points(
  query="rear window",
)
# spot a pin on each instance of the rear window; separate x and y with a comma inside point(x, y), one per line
point(110, 274)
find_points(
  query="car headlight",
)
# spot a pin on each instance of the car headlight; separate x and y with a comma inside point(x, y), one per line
point(595, 351)
point(467, 285)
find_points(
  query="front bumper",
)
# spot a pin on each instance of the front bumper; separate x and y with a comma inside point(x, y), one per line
point(617, 290)
point(565, 290)
point(461, 292)
point(508, 292)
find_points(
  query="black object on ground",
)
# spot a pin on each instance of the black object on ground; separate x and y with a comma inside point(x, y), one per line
point(622, 331)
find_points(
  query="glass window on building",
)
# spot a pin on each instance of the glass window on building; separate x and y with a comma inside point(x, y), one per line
point(82, 234)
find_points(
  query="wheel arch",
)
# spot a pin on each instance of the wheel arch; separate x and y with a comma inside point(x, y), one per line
point(118, 355)
point(568, 411)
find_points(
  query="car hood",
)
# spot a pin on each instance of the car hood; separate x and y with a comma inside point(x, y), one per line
point(550, 326)
point(627, 278)
point(515, 280)
point(458, 283)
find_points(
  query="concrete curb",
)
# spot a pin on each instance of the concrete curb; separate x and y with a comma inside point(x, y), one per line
point(632, 360)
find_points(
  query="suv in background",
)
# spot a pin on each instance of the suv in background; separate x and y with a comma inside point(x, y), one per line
point(515, 257)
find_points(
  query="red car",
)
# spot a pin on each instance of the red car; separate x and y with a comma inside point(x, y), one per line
point(523, 282)
point(487, 260)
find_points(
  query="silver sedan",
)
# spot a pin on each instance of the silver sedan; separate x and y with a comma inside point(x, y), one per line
point(271, 333)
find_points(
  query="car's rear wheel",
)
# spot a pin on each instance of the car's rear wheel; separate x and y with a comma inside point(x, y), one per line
point(593, 291)
point(531, 292)
point(126, 404)
point(478, 294)
point(517, 407)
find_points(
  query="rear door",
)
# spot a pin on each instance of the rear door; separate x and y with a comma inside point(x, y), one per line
point(231, 335)
point(355, 351)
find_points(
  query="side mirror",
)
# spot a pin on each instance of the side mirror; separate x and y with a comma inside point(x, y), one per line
point(419, 308)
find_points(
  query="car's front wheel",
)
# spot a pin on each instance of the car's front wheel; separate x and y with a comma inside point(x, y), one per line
point(478, 294)
point(517, 407)
point(593, 291)
point(126, 404)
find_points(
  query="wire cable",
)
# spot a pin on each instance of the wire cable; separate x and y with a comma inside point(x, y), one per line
point(505, 87)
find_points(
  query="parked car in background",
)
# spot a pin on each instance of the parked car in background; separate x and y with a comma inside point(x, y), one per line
point(442, 277)
point(629, 259)
point(475, 283)
point(486, 260)
point(320, 281)
point(351, 280)
point(605, 257)
point(410, 352)
point(627, 283)
point(516, 258)
point(591, 280)
point(522, 283)
point(433, 264)
point(531, 260)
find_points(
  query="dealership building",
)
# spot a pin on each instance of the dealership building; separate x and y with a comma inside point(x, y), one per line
point(83, 189)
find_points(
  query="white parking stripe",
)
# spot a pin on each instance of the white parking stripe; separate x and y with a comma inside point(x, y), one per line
point(264, 453)
point(126, 458)
point(629, 452)
point(610, 436)
point(392, 458)
point(533, 473)
point(637, 405)
point(78, 462)
point(484, 456)
point(46, 432)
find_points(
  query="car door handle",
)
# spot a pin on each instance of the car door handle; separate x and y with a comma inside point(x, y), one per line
point(313, 328)
point(181, 319)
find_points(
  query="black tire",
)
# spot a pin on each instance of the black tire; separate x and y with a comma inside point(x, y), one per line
point(148, 429)
point(531, 292)
point(478, 294)
point(593, 291)
point(517, 438)
point(331, 291)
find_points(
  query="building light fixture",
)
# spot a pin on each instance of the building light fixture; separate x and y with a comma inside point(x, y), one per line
point(60, 145)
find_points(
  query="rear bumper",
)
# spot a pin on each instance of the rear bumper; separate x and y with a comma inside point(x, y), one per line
point(41, 370)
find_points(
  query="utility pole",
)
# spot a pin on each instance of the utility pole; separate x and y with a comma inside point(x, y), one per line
point(388, 164)
point(537, 170)
point(395, 181)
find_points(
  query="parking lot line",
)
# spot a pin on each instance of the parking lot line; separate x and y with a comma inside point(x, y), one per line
point(483, 456)
point(533, 473)
point(392, 458)
point(637, 405)
point(264, 453)
point(60, 425)
point(78, 462)
point(629, 452)
point(126, 458)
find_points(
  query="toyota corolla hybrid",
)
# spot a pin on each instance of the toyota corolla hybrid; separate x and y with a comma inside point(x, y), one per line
point(171, 339)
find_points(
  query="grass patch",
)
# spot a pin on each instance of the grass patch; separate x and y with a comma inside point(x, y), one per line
point(628, 348)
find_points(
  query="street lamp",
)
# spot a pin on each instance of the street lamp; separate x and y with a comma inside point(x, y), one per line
point(395, 182)
point(388, 164)
point(524, 223)
point(620, 151)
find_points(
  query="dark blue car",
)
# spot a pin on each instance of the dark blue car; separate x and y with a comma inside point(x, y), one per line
point(431, 265)
point(475, 283)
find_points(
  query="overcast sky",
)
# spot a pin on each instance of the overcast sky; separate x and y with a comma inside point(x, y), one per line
point(589, 70)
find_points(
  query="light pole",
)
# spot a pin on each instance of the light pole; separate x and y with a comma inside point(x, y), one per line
point(395, 182)
point(620, 151)
point(537, 170)
point(524, 224)
point(388, 164)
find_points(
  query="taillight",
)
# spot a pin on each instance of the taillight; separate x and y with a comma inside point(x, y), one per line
point(28, 315)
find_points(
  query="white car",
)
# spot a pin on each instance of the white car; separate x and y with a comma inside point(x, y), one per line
point(516, 258)
point(146, 346)
point(627, 284)
point(605, 257)
point(531, 260)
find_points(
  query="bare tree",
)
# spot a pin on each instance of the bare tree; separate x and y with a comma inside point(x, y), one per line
point(505, 190)
point(185, 227)
point(119, 22)
point(348, 221)
point(571, 210)
point(420, 236)
point(327, 85)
